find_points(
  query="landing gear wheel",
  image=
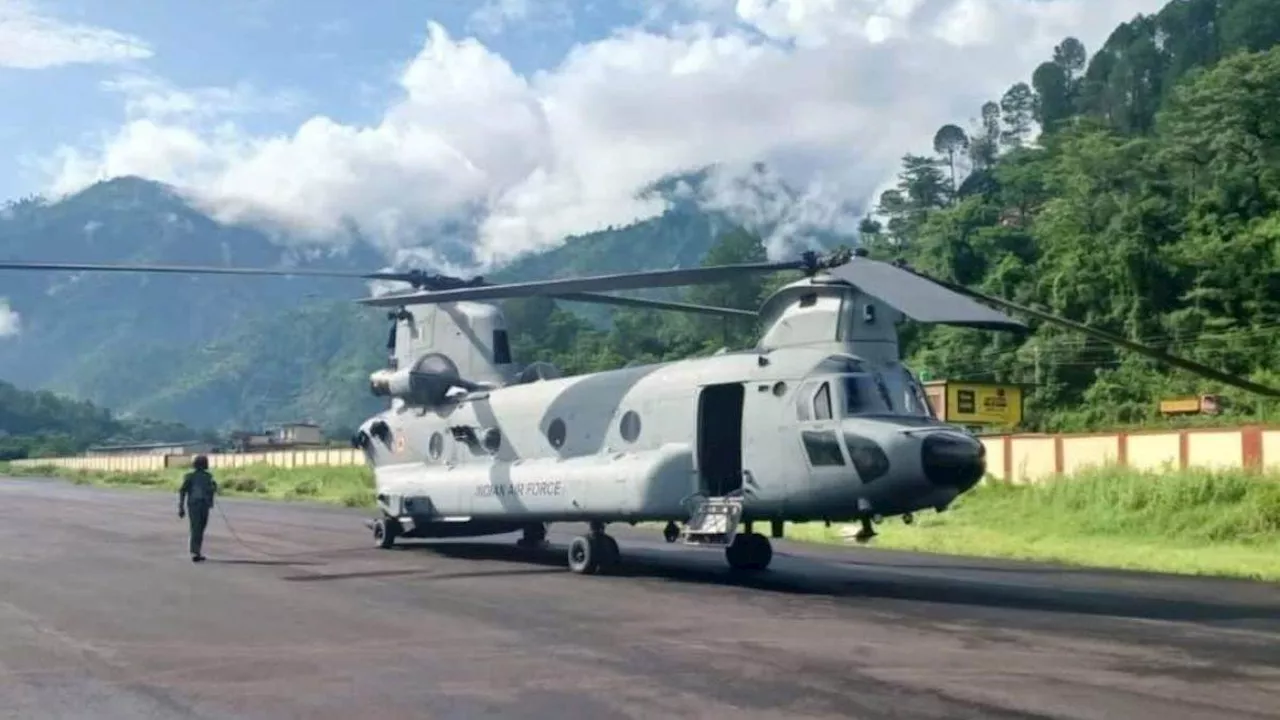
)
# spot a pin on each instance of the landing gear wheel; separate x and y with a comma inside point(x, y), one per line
point(749, 552)
point(671, 532)
point(610, 554)
point(590, 554)
point(385, 531)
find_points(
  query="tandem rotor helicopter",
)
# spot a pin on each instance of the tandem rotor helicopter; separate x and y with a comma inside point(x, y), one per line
point(820, 421)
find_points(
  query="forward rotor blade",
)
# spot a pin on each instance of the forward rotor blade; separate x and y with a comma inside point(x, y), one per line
point(655, 304)
point(621, 281)
point(179, 269)
point(919, 298)
point(1185, 364)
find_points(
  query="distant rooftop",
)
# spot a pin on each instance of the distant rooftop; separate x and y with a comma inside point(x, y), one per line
point(147, 446)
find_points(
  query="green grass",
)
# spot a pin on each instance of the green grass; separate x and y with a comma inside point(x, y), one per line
point(1193, 522)
point(349, 486)
point(1223, 523)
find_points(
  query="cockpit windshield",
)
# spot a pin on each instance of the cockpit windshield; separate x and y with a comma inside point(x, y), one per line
point(865, 393)
point(916, 402)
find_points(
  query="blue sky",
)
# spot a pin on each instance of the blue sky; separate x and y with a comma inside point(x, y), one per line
point(400, 116)
point(339, 56)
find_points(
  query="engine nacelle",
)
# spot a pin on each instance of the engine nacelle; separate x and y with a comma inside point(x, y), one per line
point(415, 387)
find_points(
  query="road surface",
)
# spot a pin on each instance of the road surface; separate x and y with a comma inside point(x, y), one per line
point(103, 615)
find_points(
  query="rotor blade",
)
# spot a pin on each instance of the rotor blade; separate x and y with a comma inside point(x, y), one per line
point(1188, 365)
point(178, 269)
point(920, 298)
point(655, 304)
point(621, 281)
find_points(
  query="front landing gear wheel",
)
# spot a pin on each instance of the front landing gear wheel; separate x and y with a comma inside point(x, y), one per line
point(590, 554)
point(385, 531)
point(749, 552)
point(671, 532)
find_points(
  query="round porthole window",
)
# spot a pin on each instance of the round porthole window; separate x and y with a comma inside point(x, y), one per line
point(435, 447)
point(555, 433)
point(630, 426)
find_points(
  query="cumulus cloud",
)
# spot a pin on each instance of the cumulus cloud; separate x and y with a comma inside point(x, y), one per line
point(10, 321)
point(828, 94)
point(32, 40)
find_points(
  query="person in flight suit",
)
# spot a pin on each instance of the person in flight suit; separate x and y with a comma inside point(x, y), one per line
point(195, 499)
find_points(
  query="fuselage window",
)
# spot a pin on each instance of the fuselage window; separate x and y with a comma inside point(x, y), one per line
point(822, 403)
point(822, 447)
point(555, 433)
point(629, 428)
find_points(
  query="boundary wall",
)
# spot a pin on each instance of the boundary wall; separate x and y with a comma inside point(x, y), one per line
point(1016, 458)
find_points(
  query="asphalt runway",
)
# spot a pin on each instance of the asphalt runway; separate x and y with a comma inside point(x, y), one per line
point(103, 615)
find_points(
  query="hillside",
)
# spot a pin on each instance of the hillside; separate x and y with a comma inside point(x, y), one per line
point(236, 352)
point(1147, 205)
point(1150, 207)
point(42, 424)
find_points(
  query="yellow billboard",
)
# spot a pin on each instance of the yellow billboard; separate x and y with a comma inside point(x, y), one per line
point(983, 404)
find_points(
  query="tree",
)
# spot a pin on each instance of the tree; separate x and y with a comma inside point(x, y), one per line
point(1017, 108)
point(985, 145)
point(948, 141)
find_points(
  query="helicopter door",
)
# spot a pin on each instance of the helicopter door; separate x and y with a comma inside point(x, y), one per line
point(720, 438)
point(829, 470)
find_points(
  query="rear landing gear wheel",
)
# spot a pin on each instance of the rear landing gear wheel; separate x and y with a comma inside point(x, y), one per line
point(749, 552)
point(594, 553)
point(385, 531)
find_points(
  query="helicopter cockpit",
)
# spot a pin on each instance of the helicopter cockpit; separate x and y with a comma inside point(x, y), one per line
point(843, 386)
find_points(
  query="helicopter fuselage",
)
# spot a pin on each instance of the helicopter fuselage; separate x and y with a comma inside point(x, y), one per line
point(801, 434)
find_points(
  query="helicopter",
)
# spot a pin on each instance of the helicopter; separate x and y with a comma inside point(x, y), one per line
point(819, 421)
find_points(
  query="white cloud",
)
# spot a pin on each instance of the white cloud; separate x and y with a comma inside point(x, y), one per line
point(31, 40)
point(10, 321)
point(828, 93)
point(495, 16)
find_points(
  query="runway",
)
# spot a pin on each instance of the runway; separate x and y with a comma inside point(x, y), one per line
point(103, 615)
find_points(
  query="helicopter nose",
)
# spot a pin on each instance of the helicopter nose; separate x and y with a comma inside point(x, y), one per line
point(953, 460)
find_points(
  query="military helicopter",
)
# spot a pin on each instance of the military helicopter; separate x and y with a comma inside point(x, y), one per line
point(820, 421)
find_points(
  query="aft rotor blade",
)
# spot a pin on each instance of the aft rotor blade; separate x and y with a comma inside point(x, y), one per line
point(596, 283)
point(179, 269)
point(1185, 364)
point(656, 304)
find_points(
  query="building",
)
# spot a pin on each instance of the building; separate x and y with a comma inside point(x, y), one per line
point(298, 434)
point(158, 448)
point(287, 435)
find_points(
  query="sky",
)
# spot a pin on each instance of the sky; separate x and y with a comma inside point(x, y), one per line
point(521, 121)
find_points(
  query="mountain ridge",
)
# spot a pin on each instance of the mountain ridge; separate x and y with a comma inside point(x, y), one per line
point(226, 352)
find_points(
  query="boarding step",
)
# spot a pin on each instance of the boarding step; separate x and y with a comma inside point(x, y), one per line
point(714, 521)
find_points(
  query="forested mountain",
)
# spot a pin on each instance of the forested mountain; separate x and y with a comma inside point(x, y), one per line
point(1149, 206)
point(1137, 189)
point(42, 424)
point(236, 352)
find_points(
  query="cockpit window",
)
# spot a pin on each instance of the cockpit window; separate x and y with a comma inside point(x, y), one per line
point(822, 403)
point(916, 402)
point(865, 393)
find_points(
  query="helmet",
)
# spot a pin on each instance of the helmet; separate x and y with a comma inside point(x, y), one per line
point(200, 463)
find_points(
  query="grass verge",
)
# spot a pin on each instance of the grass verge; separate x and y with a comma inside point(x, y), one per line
point(349, 486)
point(1199, 522)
